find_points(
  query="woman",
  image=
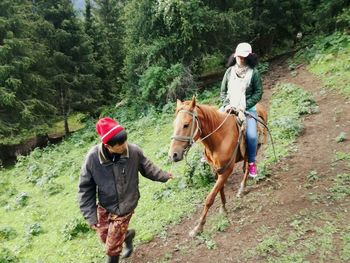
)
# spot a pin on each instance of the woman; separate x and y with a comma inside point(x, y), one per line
point(241, 88)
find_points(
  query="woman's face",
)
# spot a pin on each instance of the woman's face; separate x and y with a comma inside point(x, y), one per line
point(240, 61)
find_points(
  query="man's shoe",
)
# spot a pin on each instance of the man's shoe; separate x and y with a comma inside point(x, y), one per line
point(112, 259)
point(252, 170)
point(129, 247)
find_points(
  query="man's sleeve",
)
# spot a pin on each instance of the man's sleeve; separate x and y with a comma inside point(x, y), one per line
point(150, 170)
point(87, 195)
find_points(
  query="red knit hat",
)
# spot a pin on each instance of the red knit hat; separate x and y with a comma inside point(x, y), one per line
point(107, 128)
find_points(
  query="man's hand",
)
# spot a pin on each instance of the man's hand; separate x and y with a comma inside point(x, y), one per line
point(95, 226)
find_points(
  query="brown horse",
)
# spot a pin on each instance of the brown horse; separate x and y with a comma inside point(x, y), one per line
point(220, 135)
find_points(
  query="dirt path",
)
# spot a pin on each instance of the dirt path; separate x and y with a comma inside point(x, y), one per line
point(273, 204)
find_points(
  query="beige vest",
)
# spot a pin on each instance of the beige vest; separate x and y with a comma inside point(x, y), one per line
point(237, 87)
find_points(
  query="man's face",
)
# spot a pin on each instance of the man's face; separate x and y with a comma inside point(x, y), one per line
point(118, 148)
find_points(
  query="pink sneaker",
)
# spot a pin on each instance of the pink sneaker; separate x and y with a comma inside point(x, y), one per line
point(252, 170)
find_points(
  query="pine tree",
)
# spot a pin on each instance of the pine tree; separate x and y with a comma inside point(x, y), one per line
point(23, 89)
point(71, 65)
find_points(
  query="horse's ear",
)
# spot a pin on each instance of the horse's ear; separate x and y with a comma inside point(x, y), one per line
point(193, 102)
point(178, 103)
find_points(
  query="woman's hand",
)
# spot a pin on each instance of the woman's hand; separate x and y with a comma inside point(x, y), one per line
point(240, 108)
point(228, 108)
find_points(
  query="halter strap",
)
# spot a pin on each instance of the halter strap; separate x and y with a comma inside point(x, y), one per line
point(189, 139)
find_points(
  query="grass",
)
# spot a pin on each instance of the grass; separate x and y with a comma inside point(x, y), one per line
point(329, 58)
point(307, 237)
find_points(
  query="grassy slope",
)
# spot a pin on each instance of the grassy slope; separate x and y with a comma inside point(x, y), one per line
point(28, 197)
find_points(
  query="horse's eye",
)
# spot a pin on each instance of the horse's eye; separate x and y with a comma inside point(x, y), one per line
point(186, 126)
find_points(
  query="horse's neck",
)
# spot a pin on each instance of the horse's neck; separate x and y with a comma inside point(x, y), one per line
point(210, 121)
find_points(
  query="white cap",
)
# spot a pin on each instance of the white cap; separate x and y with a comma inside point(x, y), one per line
point(243, 50)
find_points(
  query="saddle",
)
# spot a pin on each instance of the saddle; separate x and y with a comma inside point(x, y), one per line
point(261, 129)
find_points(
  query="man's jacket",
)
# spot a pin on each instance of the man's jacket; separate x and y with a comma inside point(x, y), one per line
point(115, 184)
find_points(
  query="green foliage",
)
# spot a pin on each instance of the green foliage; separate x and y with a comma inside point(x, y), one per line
point(341, 187)
point(74, 228)
point(341, 137)
point(198, 174)
point(34, 229)
point(263, 67)
point(21, 200)
point(313, 176)
point(326, 16)
point(345, 253)
point(159, 85)
point(329, 58)
point(295, 243)
point(342, 156)
point(7, 256)
point(7, 233)
point(211, 63)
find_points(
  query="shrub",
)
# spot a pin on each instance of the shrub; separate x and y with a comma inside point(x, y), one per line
point(6, 256)
point(159, 85)
point(7, 233)
point(198, 174)
point(34, 229)
point(21, 200)
point(73, 228)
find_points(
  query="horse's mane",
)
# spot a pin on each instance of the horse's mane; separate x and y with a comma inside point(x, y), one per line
point(211, 115)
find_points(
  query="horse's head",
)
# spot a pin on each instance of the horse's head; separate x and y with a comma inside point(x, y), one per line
point(186, 128)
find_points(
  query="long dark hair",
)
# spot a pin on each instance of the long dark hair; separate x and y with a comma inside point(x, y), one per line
point(251, 60)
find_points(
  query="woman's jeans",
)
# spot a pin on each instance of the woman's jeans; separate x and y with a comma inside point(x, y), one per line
point(251, 136)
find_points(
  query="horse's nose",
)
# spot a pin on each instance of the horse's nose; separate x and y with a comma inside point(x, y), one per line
point(175, 156)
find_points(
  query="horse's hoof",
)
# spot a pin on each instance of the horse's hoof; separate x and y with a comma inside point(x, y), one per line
point(223, 210)
point(195, 231)
point(240, 192)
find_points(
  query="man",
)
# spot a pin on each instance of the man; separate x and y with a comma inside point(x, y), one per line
point(111, 170)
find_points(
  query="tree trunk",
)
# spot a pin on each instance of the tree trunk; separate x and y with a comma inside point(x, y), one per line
point(64, 108)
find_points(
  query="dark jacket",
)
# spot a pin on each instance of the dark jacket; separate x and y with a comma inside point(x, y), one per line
point(253, 93)
point(116, 184)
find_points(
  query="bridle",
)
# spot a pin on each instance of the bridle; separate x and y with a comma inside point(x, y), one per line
point(190, 138)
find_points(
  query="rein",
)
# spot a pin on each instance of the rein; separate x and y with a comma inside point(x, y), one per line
point(190, 139)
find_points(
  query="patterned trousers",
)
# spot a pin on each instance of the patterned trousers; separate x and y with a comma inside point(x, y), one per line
point(112, 230)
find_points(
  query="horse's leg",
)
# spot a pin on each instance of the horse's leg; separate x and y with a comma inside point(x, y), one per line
point(245, 177)
point(208, 203)
point(223, 200)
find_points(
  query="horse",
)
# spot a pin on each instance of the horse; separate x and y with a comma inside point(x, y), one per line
point(221, 137)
